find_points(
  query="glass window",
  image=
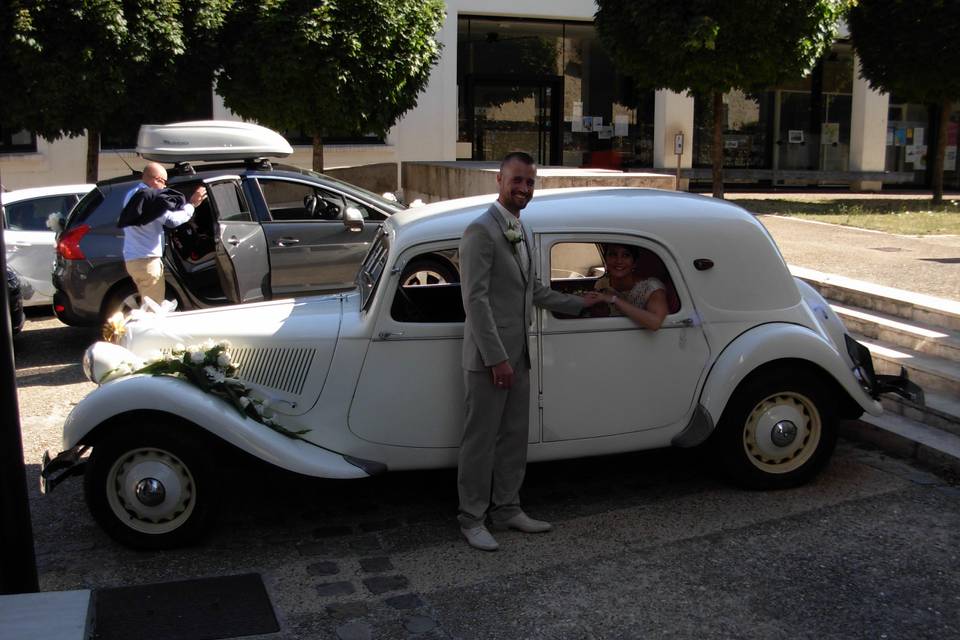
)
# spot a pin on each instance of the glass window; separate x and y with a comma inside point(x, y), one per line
point(579, 267)
point(745, 120)
point(289, 201)
point(231, 205)
point(31, 215)
point(428, 290)
point(17, 141)
point(908, 137)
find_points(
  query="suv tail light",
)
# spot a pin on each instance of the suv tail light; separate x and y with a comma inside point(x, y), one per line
point(68, 246)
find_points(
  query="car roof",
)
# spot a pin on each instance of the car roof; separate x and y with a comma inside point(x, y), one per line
point(19, 195)
point(689, 227)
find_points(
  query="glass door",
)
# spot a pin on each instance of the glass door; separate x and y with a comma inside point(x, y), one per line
point(514, 114)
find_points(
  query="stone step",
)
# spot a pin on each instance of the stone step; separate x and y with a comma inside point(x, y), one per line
point(930, 372)
point(932, 447)
point(908, 305)
point(940, 411)
point(924, 338)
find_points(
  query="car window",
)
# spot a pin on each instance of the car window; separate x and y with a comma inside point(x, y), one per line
point(578, 267)
point(298, 201)
point(230, 203)
point(428, 289)
point(31, 215)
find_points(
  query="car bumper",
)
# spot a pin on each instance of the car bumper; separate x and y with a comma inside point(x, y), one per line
point(878, 384)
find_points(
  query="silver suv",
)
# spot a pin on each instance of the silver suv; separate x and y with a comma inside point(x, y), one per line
point(266, 231)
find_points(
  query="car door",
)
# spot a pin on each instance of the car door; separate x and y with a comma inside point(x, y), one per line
point(30, 244)
point(311, 249)
point(410, 391)
point(241, 246)
point(605, 376)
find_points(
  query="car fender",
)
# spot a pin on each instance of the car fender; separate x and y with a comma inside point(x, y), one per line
point(172, 396)
point(771, 342)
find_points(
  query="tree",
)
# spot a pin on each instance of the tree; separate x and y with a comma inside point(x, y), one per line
point(324, 66)
point(909, 48)
point(713, 46)
point(88, 64)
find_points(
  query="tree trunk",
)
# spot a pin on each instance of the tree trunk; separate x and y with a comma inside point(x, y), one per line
point(717, 145)
point(318, 152)
point(93, 155)
point(941, 150)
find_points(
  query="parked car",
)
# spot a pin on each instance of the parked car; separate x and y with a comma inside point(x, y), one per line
point(750, 362)
point(265, 231)
point(14, 302)
point(29, 239)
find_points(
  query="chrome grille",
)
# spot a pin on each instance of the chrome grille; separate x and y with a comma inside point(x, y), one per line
point(281, 369)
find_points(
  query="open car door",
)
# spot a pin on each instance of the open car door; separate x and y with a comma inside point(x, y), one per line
point(241, 245)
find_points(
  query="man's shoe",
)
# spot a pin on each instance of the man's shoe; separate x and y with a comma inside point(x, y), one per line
point(523, 522)
point(480, 538)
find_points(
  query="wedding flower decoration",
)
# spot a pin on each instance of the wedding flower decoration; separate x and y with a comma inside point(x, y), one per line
point(210, 368)
point(513, 234)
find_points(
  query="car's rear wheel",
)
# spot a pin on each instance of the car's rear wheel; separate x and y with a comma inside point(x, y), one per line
point(428, 271)
point(151, 486)
point(778, 430)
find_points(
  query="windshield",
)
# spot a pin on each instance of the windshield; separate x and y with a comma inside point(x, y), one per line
point(392, 206)
point(372, 267)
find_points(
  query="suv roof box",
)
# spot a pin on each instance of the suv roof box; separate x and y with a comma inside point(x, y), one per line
point(209, 140)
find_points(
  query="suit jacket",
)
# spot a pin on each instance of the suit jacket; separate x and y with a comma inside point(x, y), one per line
point(498, 295)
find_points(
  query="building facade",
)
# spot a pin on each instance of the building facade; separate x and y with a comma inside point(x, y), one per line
point(532, 75)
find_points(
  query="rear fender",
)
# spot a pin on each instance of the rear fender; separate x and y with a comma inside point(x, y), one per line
point(171, 396)
point(767, 344)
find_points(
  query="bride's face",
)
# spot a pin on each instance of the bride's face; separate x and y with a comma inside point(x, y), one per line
point(619, 261)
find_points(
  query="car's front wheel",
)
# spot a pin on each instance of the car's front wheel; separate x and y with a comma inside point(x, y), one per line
point(151, 486)
point(778, 430)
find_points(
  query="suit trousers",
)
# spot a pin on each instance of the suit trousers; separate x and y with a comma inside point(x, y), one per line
point(147, 274)
point(493, 450)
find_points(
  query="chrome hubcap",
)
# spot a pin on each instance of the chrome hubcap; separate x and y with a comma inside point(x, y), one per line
point(150, 492)
point(783, 433)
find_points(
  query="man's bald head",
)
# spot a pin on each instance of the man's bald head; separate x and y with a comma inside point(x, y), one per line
point(154, 175)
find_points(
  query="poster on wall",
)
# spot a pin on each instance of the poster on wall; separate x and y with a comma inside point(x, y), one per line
point(621, 125)
point(918, 136)
point(795, 136)
point(830, 133)
point(900, 137)
point(950, 159)
point(605, 133)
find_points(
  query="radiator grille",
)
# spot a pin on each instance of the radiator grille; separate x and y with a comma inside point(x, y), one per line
point(282, 369)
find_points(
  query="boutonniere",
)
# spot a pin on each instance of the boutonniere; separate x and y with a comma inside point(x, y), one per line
point(513, 234)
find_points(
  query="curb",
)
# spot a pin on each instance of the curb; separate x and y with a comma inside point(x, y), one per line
point(904, 439)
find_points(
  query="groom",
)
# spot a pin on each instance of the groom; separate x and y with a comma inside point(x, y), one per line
point(499, 288)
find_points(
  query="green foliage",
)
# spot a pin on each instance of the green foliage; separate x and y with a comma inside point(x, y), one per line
point(328, 65)
point(88, 64)
point(908, 47)
point(710, 46)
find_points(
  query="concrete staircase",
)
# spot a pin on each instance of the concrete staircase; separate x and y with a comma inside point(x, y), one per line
point(919, 333)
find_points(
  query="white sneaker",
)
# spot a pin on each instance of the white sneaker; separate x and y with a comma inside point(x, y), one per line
point(523, 522)
point(480, 538)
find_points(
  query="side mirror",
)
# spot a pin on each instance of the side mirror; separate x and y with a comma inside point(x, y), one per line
point(353, 219)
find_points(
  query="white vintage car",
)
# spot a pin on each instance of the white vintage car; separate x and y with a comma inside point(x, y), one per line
point(749, 362)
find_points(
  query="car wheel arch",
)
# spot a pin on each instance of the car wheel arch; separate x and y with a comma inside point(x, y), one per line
point(775, 345)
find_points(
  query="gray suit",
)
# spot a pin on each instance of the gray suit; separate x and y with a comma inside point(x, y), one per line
point(499, 292)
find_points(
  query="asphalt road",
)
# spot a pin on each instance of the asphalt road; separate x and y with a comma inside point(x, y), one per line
point(645, 545)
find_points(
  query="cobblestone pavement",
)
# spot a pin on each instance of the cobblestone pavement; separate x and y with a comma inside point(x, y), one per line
point(645, 545)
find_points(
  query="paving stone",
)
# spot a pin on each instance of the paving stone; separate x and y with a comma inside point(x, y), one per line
point(382, 584)
point(379, 525)
point(336, 589)
point(355, 631)
point(312, 549)
point(332, 532)
point(347, 610)
point(366, 544)
point(324, 568)
point(419, 624)
point(373, 565)
point(404, 601)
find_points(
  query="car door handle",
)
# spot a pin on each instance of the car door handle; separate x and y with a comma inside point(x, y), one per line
point(233, 240)
point(287, 242)
point(682, 323)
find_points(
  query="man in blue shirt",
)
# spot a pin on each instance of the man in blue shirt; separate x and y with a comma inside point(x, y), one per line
point(147, 209)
